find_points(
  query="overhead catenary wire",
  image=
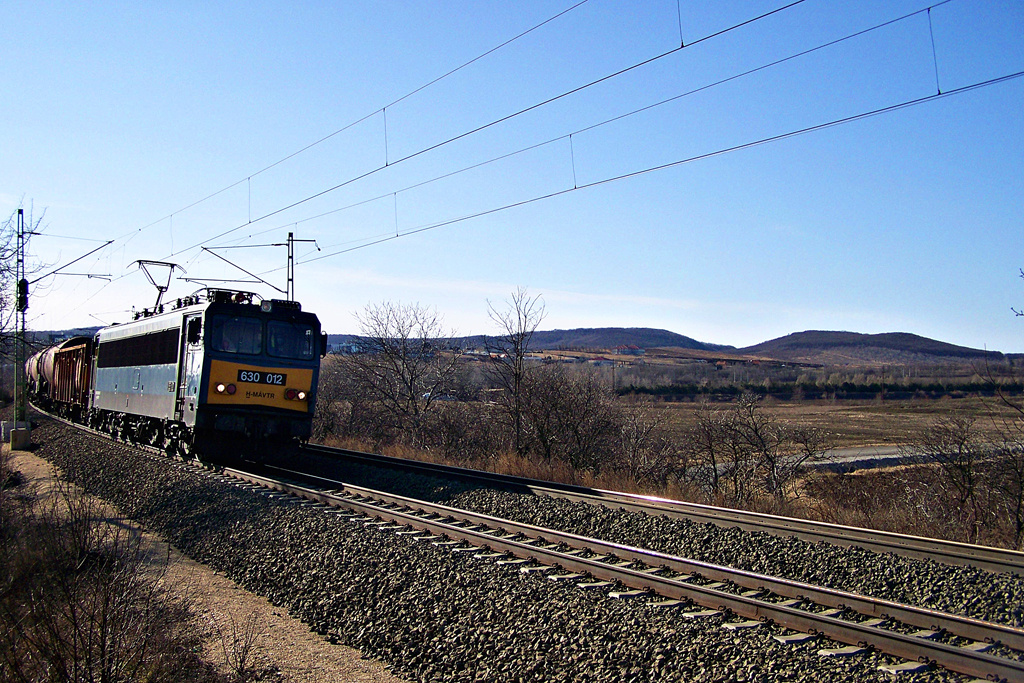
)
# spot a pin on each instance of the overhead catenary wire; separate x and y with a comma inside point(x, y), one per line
point(248, 178)
point(935, 58)
point(130, 236)
point(679, 162)
point(612, 119)
point(396, 233)
point(498, 121)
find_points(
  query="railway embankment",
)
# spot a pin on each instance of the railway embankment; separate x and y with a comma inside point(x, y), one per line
point(221, 619)
point(433, 615)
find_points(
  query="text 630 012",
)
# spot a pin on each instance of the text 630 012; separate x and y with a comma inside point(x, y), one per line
point(258, 377)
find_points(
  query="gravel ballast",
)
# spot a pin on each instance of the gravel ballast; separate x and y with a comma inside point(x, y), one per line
point(966, 591)
point(430, 614)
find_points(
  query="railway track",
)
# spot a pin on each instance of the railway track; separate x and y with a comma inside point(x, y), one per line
point(917, 547)
point(921, 636)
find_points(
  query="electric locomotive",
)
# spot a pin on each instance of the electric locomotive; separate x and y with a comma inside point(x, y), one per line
point(219, 375)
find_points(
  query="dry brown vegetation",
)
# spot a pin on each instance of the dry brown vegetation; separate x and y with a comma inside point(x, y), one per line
point(78, 602)
point(549, 418)
point(747, 454)
point(84, 597)
point(922, 501)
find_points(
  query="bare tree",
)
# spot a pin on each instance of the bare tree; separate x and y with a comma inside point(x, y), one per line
point(954, 445)
point(745, 451)
point(508, 351)
point(779, 449)
point(570, 416)
point(409, 360)
point(644, 452)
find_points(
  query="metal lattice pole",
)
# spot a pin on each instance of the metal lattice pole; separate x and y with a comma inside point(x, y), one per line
point(22, 304)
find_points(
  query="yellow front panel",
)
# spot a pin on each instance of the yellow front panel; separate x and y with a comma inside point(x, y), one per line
point(258, 393)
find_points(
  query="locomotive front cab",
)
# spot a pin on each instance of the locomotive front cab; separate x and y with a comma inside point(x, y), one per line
point(260, 366)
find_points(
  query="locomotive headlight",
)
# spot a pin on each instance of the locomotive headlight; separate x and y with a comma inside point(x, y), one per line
point(221, 388)
point(302, 395)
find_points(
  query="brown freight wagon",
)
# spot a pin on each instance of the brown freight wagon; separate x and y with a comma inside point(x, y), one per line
point(72, 377)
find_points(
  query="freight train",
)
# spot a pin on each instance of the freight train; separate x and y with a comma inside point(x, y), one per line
point(219, 375)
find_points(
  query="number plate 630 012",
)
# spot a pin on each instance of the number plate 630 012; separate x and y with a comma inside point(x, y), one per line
point(260, 377)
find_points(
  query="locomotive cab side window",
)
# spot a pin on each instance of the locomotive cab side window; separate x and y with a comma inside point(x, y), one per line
point(236, 334)
point(290, 340)
point(194, 330)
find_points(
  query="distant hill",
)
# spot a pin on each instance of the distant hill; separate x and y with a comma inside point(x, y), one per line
point(852, 348)
point(589, 338)
point(611, 337)
point(814, 347)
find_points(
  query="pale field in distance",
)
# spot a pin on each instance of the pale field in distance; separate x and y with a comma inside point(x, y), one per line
point(861, 423)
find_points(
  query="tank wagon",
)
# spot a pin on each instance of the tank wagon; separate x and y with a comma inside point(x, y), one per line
point(218, 375)
point(60, 377)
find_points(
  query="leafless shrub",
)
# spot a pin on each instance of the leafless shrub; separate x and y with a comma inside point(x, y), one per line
point(81, 601)
point(345, 410)
point(954, 445)
point(459, 433)
point(644, 453)
point(1008, 483)
point(569, 416)
point(1006, 475)
point(707, 446)
point(238, 641)
point(977, 486)
point(912, 499)
point(743, 453)
point(6, 473)
point(409, 362)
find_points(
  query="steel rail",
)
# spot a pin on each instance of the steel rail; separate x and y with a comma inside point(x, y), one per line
point(997, 560)
point(963, 660)
point(966, 627)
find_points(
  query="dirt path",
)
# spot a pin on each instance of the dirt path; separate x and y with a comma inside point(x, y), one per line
point(281, 642)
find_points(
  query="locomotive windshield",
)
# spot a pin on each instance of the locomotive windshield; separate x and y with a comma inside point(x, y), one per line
point(290, 340)
point(236, 334)
point(244, 334)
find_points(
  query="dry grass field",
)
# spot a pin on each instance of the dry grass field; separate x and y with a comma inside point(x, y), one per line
point(860, 423)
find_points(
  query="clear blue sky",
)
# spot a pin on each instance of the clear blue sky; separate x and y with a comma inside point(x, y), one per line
point(118, 116)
